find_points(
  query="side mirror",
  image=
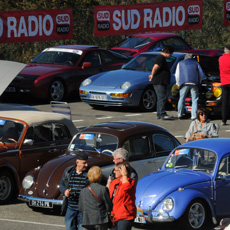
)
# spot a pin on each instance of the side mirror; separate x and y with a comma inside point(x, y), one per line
point(86, 65)
point(28, 142)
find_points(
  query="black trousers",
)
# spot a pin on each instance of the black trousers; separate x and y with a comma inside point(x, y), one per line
point(225, 102)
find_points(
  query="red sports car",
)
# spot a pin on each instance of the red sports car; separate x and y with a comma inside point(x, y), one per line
point(139, 43)
point(57, 72)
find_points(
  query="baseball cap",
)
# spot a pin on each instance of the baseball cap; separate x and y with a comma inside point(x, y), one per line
point(223, 224)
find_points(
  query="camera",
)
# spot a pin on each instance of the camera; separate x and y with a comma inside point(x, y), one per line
point(73, 193)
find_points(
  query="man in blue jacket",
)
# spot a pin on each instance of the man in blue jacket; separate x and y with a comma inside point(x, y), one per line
point(188, 77)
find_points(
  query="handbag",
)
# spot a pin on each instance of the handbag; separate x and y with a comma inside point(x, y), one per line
point(112, 221)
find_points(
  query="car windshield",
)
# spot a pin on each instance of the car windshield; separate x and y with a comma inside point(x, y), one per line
point(145, 62)
point(135, 42)
point(54, 56)
point(10, 131)
point(99, 142)
point(192, 158)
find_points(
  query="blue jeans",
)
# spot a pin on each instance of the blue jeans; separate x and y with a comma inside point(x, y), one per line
point(195, 97)
point(161, 99)
point(73, 219)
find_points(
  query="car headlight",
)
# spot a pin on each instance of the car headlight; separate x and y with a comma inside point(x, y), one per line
point(86, 82)
point(126, 85)
point(174, 90)
point(168, 204)
point(208, 94)
point(27, 182)
point(217, 92)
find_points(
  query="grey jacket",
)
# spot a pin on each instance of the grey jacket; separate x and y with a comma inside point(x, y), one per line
point(93, 211)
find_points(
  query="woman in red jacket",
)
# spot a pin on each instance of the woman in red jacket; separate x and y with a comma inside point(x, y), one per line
point(122, 191)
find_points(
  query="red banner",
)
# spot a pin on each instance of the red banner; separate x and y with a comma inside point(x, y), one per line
point(36, 25)
point(226, 21)
point(141, 18)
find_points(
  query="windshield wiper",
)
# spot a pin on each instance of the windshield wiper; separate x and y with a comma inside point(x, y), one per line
point(181, 166)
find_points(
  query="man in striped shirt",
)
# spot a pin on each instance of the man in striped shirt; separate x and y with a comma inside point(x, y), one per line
point(73, 180)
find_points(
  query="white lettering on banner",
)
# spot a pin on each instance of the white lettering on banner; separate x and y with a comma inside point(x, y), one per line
point(228, 6)
point(39, 24)
point(117, 25)
point(129, 20)
point(1, 27)
point(103, 16)
point(175, 16)
point(48, 18)
point(63, 19)
point(194, 10)
point(22, 27)
point(33, 20)
point(11, 24)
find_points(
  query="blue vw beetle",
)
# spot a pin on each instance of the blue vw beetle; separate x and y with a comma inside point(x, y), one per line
point(192, 188)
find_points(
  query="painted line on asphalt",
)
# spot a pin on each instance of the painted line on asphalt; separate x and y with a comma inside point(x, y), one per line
point(178, 136)
point(133, 115)
point(77, 121)
point(228, 130)
point(100, 118)
point(29, 222)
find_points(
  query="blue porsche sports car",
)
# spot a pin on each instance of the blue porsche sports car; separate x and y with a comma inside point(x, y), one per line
point(128, 86)
point(192, 188)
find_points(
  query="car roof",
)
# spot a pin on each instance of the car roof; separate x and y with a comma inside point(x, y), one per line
point(37, 117)
point(77, 47)
point(157, 35)
point(218, 145)
point(128, 127)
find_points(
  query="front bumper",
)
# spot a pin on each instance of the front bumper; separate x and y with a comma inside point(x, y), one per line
point(151, 216)
point(40, 202)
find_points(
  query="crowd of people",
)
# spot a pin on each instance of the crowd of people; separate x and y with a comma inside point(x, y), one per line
point(89, 203)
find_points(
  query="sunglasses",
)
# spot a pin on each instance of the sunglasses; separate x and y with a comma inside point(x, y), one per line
point(202, 114)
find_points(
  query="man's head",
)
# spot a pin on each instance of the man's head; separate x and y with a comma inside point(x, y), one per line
point(120, 155)
point(187, 56)
point(81, 161)
point(227, 49)
point(167, 51)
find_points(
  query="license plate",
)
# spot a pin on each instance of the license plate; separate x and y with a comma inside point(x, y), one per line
point(41, 204)
point(140, 220)
point(98, 97)
point(10, 90)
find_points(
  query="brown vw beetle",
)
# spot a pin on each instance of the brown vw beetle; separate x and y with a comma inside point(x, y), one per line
point(29, 139)
point(147, 144)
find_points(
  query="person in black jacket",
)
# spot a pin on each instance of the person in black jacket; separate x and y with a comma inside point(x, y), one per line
point(94, 202)
point(74, 179)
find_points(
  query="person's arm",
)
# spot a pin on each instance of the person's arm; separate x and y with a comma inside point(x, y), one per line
point(201, 73)
point(155, 68)
point(213, 131)
point(177, 74)
point(124, 174)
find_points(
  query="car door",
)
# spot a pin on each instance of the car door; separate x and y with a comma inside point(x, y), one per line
point(222, 188)
point(41, 144)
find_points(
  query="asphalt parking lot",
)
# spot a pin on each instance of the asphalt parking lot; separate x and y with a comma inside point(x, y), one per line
point(17, 215)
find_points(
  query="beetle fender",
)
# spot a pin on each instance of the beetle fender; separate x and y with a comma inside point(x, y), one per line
point(183, 198)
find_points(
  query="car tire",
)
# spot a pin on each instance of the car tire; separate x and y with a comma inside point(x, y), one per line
point(6, 187)
point(195, 216)
point(148, 100)
point(57, 90)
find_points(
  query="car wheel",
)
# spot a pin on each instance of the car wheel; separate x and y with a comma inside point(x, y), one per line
point(148, 100)
point(57, 91)
point(6, 187)
point(195, 216)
